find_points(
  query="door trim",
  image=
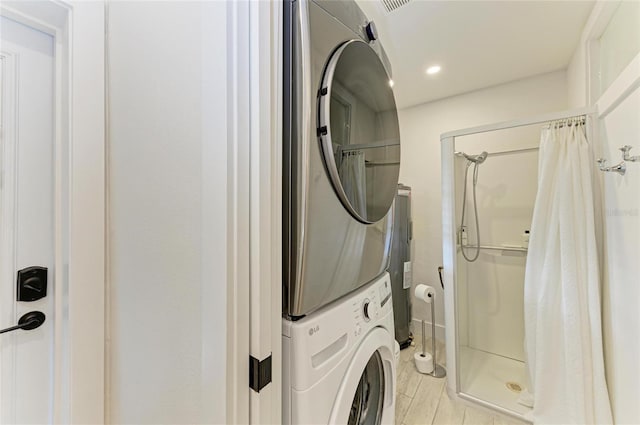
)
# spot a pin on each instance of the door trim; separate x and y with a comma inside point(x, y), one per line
point(8, 202)
point(254, 294)
point(264, 26)
point(79, 190)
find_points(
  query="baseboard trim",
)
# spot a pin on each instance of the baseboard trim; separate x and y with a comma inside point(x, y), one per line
point(416, 328)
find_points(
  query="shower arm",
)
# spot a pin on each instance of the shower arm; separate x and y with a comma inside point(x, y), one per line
point(476, 159)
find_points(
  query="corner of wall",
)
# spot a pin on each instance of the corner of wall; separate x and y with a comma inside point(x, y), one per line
point(579, 69)
point(577, 78)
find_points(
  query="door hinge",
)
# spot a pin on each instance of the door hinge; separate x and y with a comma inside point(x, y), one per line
point(259, 373)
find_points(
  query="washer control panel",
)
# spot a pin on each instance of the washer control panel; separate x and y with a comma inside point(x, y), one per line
point(367, 308)
point(371, 306)
point(317, 342)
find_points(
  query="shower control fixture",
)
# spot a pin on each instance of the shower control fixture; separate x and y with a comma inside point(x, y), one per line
point(463, 236)
point(620, 168)
point(625, 154)
point(477, 159)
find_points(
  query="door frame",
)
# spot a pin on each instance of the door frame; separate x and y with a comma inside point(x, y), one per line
point(79, 201)
point(265, 218)
point(254, 248)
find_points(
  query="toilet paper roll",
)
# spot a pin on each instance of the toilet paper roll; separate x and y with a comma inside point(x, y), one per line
point(424, 362)
point(425, 293)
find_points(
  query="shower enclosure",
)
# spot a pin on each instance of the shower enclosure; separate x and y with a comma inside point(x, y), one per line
point(489, 179)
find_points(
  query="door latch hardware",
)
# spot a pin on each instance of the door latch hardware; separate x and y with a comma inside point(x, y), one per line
point(32, 283)
point(259, 373)
point(27, 322)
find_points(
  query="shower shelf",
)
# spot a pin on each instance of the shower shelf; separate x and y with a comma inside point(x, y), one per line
point(499, 248)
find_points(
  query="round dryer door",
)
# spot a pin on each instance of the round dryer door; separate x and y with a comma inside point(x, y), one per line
point(359, 132)
point(366, 408)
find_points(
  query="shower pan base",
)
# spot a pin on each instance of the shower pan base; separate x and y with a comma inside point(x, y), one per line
point(488, 376)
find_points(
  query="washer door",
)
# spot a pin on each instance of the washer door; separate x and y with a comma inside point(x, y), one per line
point(359, 131)
point(367, 394)
point(366, 408)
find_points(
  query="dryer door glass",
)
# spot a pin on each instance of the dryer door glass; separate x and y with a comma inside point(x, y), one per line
point(359, 132)
point(366, 408)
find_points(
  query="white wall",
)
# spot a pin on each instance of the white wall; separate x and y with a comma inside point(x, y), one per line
point(619, 43)
point(576, 78)
point(506, 192)
point(167, 209)
point(420, 130)
point(620, 291)
point(581, 89)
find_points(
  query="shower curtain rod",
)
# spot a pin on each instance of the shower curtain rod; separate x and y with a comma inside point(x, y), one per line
point(541, 119)
point(561, 122)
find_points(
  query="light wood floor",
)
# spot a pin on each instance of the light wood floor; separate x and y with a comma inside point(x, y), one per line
point(423, 400)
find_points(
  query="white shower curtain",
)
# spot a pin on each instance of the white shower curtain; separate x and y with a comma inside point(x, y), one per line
point(563, 334)
point(354, 181)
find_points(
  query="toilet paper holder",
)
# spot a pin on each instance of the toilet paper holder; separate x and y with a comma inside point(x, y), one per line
point(427, 294)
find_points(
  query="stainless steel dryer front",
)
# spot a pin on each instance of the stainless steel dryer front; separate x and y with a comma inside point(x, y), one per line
point(341, 153)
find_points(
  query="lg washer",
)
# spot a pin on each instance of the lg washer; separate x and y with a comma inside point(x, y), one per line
point(338, 363)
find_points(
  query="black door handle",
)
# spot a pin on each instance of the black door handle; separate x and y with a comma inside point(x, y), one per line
point(27, 322)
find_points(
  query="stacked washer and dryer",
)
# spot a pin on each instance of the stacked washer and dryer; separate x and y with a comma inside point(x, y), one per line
point(341, 164)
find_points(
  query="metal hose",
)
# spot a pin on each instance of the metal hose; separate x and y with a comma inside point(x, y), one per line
point(475, 207)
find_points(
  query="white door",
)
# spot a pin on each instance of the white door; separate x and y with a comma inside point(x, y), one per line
point(26, 220)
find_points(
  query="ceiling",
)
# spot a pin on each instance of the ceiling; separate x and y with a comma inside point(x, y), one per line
point(478, 43)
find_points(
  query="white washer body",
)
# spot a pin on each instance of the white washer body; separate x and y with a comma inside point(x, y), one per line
point(325, 355)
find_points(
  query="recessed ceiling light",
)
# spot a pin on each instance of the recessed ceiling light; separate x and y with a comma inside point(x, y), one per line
point(391, 83)
point(433, 69)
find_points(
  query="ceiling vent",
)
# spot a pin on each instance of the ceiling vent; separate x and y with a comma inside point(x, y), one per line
point(392, 5)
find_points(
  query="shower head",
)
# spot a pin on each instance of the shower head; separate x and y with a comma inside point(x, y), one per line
point(478, 159)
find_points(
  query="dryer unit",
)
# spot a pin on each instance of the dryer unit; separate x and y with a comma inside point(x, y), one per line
point(338, 363)
point(341, 154)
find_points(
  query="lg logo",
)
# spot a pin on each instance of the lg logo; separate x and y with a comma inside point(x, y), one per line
point(314, 329)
